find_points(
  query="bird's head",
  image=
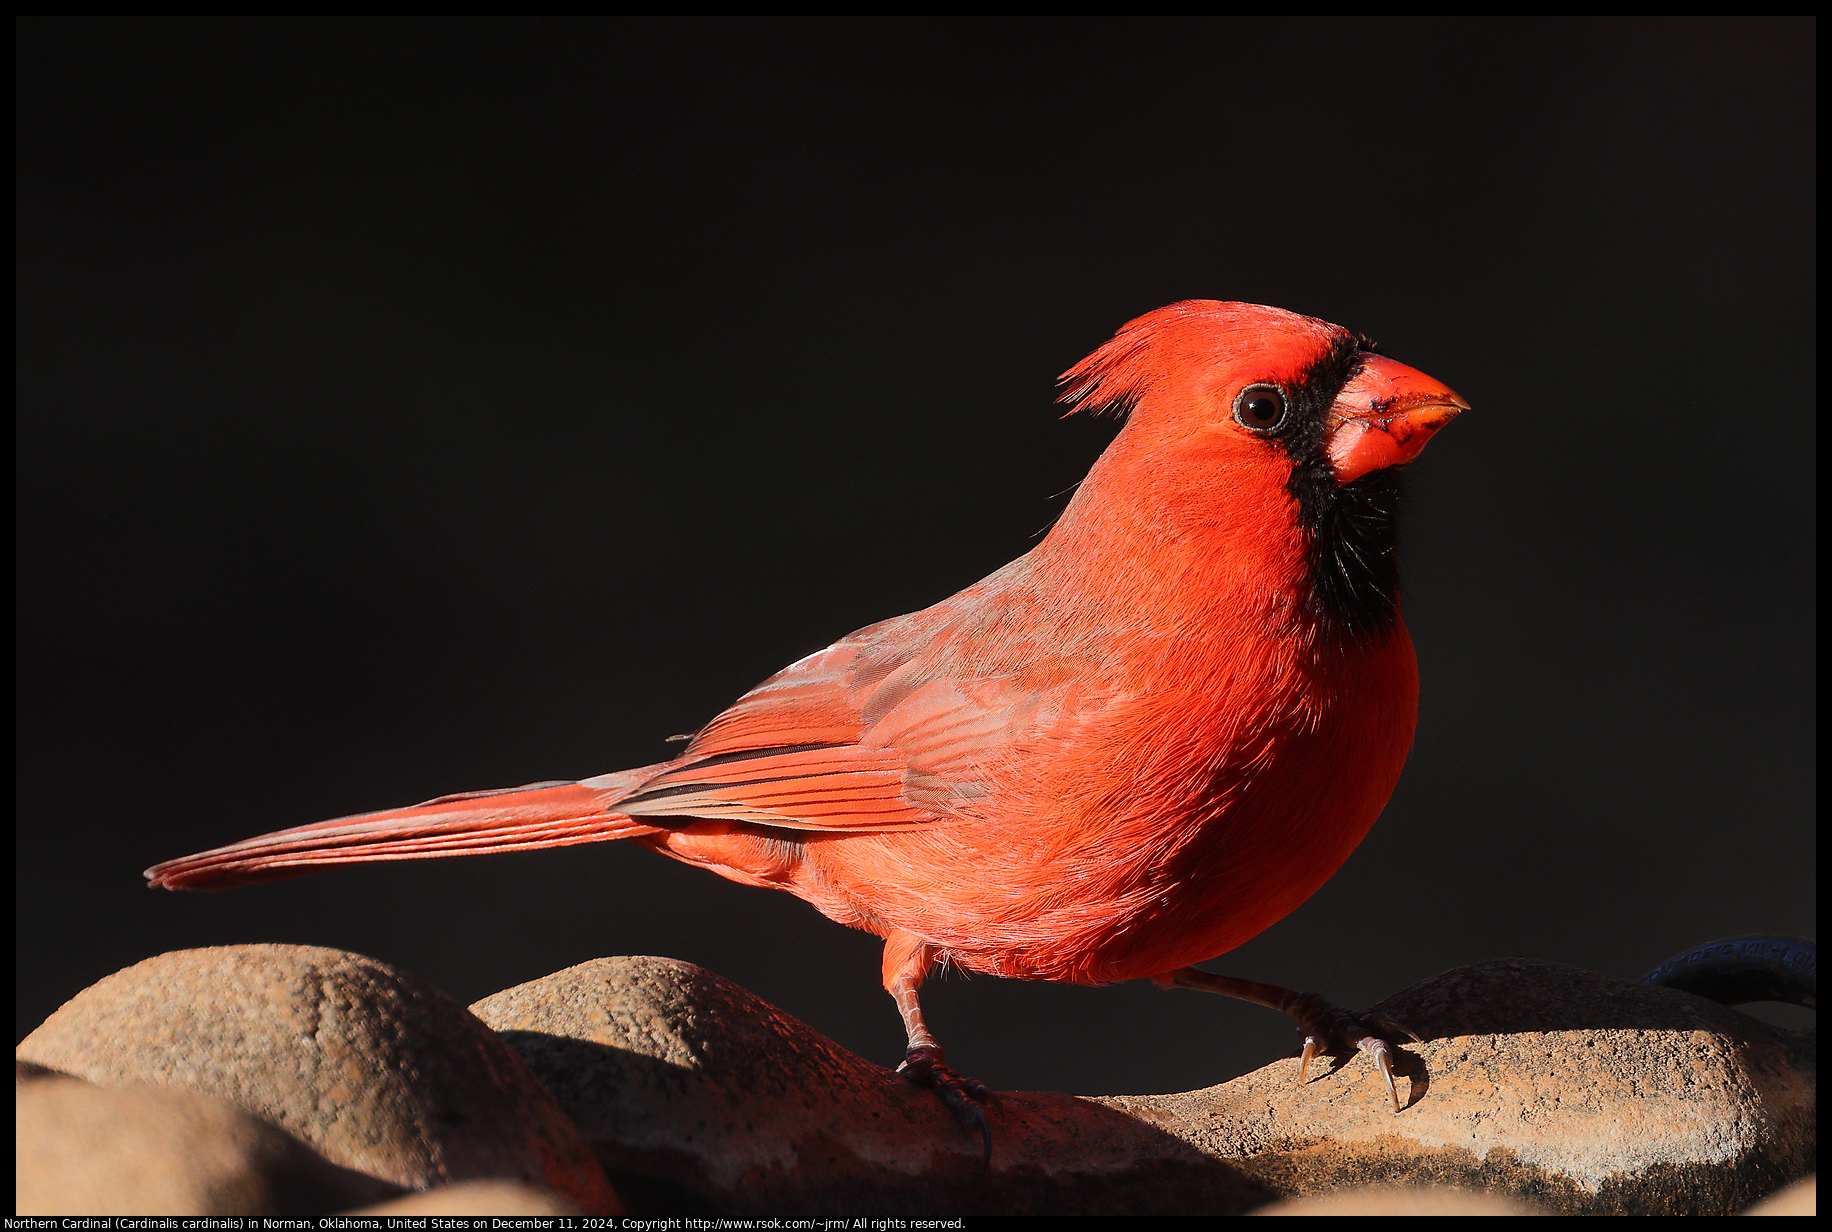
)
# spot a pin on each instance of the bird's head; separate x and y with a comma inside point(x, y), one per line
point(1259, 383)
point(1257, 423)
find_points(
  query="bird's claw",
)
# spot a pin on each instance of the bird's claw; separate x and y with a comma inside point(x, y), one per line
point(1328, 1029)
point(965, 1097)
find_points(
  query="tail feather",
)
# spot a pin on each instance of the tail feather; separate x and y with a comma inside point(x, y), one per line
point(471, 823)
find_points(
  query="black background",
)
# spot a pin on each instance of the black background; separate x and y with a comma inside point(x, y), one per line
point(417, 406)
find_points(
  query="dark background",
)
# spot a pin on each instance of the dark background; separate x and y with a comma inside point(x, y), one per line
point(417, 406)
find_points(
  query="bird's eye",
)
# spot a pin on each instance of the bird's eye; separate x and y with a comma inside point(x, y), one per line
point(1260, 408)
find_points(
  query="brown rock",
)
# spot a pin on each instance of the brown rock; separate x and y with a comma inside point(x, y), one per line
point(475, 1198)
point(141, 1150)
point(1587, 1093)
point(379, 1071)
point(1399, 1200)
point(1579, 1092)
point(699, 1096)
point(1583, 1093)
point(1800, 1198)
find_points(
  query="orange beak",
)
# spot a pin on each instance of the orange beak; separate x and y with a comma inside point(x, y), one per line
point(1384, 417)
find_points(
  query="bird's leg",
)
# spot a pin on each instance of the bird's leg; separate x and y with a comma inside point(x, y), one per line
point(907, 959)
point(1325, 1027)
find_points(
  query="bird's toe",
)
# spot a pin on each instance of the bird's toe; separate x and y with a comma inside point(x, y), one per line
point(966, 1098)
point(1328, 1029)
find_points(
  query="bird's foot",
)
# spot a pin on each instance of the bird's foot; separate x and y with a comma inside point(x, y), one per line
point(965, 1097)
point(1328, 1029)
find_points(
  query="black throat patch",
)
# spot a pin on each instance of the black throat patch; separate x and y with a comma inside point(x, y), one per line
point(1353, 584)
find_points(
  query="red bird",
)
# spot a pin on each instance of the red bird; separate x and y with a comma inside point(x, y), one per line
point(1129, 750)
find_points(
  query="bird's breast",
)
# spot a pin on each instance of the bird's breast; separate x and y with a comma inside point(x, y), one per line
point(1151, 827)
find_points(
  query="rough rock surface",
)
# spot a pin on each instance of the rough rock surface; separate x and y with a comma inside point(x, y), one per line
point(377, 1070)
point(1398, 1200)
point(1800, 1198)
point(699, 1096)
point(1582, 1093)
point(474, 1199)
point(1577, 1092)
point(1553, 1089)
point(81, 1149)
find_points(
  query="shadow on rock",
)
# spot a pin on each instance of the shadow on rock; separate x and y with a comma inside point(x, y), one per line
point(1580, 1092)
point(690, 1088)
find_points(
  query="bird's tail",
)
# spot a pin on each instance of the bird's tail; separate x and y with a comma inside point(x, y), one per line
point(468, 824)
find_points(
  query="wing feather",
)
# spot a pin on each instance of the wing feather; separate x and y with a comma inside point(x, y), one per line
point(866, 735)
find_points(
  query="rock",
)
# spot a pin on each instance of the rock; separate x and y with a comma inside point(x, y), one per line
point(1800, 1198)
point(1579, 1092)
point(377, 1070)
point(143, 1150)
point(25, 1071)
point(1398, 1200)
point(476, 1198)
point(1582, 1093)
point(699, 1097)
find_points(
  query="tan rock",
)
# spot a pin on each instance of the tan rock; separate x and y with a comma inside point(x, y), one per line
point(1583, 1093)
point(25, 1071)
point(143, 1150)
point(376, 1069)
point(1399, 1200)
point(1800, 1198)
point(475, 1198)
point(700, 1096)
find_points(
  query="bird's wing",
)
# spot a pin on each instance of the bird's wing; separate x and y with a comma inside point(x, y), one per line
point(866, 735)
point(799, 787)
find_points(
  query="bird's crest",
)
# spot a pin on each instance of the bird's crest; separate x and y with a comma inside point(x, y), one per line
point(1114, 377)
point(1194, 332)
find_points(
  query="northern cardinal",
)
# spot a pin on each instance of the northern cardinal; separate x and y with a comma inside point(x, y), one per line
point(1131, 749)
